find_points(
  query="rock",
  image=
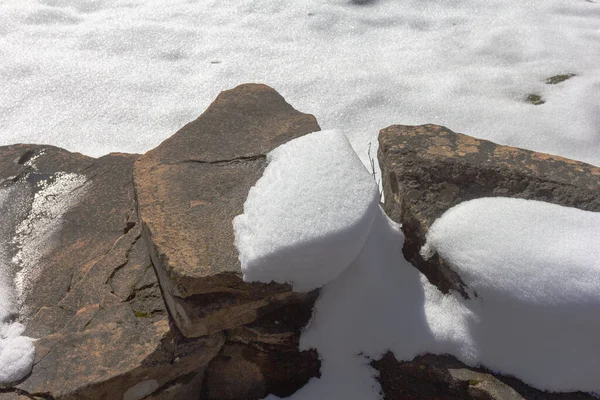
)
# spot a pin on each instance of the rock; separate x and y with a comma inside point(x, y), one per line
point(443, 377)
point(86, 286)
point(191, 187)
point(263, 358)
point(15, 396)
point(428, 169)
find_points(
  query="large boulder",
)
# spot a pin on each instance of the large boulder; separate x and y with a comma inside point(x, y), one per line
point(428, 169)
point(85, 285)
point(191, 187)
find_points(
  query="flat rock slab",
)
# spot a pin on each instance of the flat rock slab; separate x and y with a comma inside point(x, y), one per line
point(428, 169)
point(89, 295)
point(191, 187)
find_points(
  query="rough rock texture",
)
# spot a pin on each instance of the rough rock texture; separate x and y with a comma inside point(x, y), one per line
point(91, 294)
point(189, 189)
point(95, 303)
point(428, 169)
point(443, 377)
point(263, 357)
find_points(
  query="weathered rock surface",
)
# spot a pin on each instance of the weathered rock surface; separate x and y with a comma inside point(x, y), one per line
point(443, 377)
point(428, 169)
point(263, 357)
point(191, 187)
point(88, 287)
point(91, 296)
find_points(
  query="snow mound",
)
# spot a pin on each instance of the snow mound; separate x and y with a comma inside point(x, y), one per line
point(309, 215)
point(535, 268)
point(16, 353)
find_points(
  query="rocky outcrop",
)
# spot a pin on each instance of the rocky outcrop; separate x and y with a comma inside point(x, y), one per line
point(191, 187)
point(95, 261)
point(86, 268)
point(87, 289)
point(428, 169)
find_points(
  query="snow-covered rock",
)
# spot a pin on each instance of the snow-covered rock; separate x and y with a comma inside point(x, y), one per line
point(427, 169)
point(534, 268)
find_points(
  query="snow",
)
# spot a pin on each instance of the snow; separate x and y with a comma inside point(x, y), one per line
point(16, 351)
point(123, 75)
point(379, 303)
point(535, 268)
point(309, 215)
point(375, 305)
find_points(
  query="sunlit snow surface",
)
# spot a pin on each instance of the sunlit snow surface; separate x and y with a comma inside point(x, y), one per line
point(122, 75)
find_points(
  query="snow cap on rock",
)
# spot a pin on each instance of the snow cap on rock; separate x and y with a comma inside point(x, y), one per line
point(309, 215)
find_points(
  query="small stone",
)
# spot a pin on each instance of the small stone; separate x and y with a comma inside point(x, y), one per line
point(559, 78)
point(535, 99)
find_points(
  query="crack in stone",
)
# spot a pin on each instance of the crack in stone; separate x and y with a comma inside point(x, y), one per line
point(223, 162)
point(92, 318)
point(21, 392)
point(122, 265)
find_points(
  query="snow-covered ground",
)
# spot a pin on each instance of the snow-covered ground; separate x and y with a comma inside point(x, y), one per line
point(96, 76)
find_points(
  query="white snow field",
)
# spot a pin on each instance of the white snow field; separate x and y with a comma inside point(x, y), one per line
point(306, 235)
point(96, 76)
point(534, 266)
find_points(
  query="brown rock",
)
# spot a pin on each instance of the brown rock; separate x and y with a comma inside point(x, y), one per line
point(191, 187)
point(94, 302)
point(428, 169)
point(443, 377)
point(263, 358)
